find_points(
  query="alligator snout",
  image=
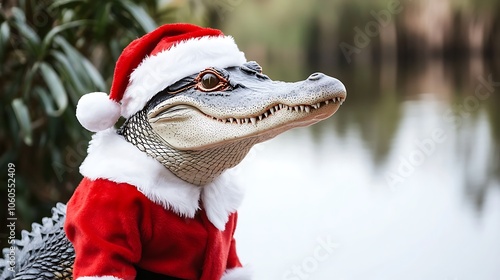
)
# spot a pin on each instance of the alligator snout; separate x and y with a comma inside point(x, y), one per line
point(316, 76)
point(333, 85)
point(248, 105)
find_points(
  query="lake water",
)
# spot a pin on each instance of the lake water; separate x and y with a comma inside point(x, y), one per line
point(403, 182)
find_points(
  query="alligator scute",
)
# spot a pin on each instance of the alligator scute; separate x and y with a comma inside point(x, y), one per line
point(45, 253)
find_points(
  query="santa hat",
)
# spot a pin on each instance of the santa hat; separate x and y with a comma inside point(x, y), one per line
point(150, 64)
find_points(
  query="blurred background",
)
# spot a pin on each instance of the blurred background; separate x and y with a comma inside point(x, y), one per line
point(402, 183)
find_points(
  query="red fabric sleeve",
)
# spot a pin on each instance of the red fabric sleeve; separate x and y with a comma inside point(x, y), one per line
point(103, 224)
point(232, 258)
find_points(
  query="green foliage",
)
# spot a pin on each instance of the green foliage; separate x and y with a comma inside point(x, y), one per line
point(51, 53)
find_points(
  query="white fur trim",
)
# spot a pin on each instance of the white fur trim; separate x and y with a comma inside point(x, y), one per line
point(220, 198)
point(186, 58)
point(239, 273)
point(111, 157)
point(98, 278)
point(96, 112)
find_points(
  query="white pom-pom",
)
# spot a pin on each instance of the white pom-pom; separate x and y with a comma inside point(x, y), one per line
point(96, 112)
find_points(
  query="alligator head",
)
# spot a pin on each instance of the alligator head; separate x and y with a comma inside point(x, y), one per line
point(207, 122)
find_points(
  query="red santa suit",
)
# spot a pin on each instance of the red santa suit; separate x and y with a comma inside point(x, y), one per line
point(130, 213)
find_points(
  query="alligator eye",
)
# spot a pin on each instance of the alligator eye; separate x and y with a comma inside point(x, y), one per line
point(211, 80)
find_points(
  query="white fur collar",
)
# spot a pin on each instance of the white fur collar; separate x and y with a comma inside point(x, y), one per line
point(111, 157)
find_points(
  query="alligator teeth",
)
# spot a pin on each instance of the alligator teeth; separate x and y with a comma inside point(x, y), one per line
point(275, 108)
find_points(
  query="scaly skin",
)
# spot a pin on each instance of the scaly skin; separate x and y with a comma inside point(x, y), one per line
point(197, 133)
point(42, 254)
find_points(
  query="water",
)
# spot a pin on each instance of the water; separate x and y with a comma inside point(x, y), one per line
point(403, 182)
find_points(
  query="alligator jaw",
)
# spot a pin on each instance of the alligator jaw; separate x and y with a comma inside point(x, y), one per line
point(197, 135)
point(272, 110)
point(158, 113)
point(187, 125)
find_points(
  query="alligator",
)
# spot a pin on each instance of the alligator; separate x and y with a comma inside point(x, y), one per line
point(215, 116)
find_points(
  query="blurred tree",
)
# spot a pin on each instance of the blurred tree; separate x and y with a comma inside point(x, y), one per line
point(52, 52)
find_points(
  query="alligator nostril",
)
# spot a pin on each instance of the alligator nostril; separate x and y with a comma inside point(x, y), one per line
point(316, 76)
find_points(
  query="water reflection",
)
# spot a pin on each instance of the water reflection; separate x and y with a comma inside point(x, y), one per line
point(405, 179)
point(457, 98)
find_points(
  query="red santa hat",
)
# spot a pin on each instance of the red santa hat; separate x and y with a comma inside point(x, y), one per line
point(150, 64)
